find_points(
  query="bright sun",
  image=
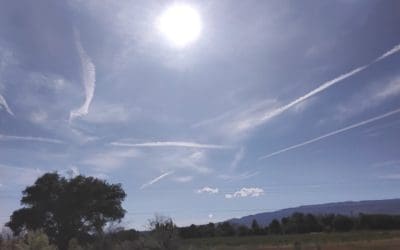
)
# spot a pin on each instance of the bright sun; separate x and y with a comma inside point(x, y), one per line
point(181, 24)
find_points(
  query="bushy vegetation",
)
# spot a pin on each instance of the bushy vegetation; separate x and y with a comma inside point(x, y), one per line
point(70, 214)
point(297, 223)
point(64, 208)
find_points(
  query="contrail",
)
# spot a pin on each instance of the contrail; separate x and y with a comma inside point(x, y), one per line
point(3, 104)
point(30, 138)
point(332, 133)
point(88, 78)
point(268, 115)
point(170, 144)
point(155, 180)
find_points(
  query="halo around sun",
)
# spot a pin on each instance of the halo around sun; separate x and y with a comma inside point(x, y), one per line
point(180, 24)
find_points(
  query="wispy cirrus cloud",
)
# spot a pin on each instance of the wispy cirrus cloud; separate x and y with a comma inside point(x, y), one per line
point(183, 179)
point(4, 105)
point(373, 96)
point(339, 131)
point(246, 192)
point(207, 190)
point(237, 158)
point(29, 138)
point(237, 176)
point(171, 144)
point(155, 180)
point(11, 175)
point(250, 119)
point(109, 160)
point(88, 79)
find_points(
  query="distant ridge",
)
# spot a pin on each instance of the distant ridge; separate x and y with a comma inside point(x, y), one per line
point(390, 206)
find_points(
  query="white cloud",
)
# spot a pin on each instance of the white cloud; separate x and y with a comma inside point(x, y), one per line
point(239, 176)
point(39, 117)
point(250, 119)
point(170, 144)
point(208, 190)
point(394, 50)
point(246, 192)
point(4, 105)
point(237, 158)
point(373, 96)
point(109, 113)
point(210, 216)
point(195, 161)
point(183, 179)
point(88, 78)
point(72, 172)
point(111, 160)
point(29, 138)
point(157, 179)
point(356, 125)
point(23, 176)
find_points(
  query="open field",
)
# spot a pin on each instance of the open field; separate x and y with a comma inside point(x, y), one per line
point(388, 240)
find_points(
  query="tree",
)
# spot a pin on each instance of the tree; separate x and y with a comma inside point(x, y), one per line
point(342, 223)
point(275, 227)
point(68, 208)
point(165, 232)
point(255, 228)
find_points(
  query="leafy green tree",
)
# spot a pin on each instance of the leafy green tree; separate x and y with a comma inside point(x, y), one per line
point(68, 208)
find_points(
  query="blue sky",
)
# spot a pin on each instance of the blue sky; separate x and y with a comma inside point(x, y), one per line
point(277, 104)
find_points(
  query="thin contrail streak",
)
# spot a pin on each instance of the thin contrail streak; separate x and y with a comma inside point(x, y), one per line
point(88, 78)
point(328, 84)
point(332, 133)
point(155, 180)
point(30, 138)
point(170, 144)
point(3, 104)
point(270, 114)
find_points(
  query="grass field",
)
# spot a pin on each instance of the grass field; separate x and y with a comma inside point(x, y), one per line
point(388, 240)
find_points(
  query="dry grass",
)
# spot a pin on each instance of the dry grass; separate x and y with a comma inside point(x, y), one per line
point(333, 241)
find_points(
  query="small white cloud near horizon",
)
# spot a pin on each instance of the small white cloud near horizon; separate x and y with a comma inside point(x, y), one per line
point(88, 79)
point(207, 190)
point(155, 180)
point(246, 192)
point(170, 144)
point(210, 216)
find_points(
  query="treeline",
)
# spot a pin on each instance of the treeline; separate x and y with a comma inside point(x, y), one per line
point(297, 223)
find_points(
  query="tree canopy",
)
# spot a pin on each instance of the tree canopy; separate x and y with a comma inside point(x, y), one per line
point(64, 208)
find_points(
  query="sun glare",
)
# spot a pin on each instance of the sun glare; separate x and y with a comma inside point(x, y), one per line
point(181, 24)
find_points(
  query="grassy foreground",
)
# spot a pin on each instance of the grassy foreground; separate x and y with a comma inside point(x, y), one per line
point(388, 240)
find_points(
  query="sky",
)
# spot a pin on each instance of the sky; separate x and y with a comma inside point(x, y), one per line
point(275, 104)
